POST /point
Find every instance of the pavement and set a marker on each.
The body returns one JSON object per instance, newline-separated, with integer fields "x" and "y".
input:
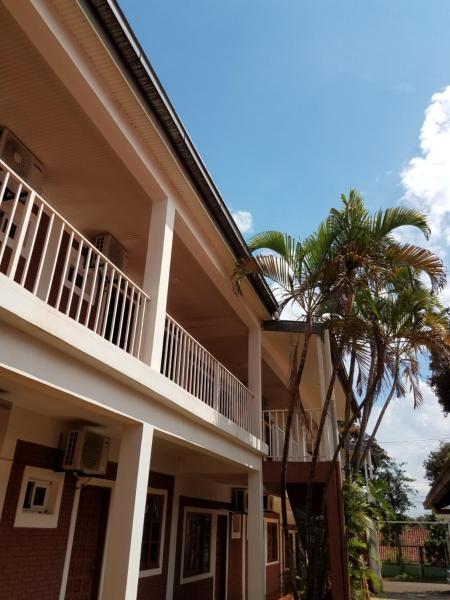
{"x": 403, "y": 590}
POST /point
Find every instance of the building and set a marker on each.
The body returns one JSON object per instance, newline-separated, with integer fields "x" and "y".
{"x": 142, "y": 402}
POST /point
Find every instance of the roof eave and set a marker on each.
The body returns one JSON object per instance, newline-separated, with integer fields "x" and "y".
{"x": 113, "y": 23}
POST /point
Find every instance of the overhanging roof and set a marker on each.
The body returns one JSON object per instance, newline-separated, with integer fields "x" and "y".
{"x": 299, "y": 327}
{"x": 112, "y": 22}
{"x": 438, "y": 498}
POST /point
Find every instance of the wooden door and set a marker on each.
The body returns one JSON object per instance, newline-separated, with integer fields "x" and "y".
{"x": 88, "y": 543}
{"x": 221, "y": 558}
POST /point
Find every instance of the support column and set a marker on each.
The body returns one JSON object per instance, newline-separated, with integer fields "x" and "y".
{"x": 156, "y": 279}
{"x": 256, "y": 570}
{"x": 126, "y": 520}
{"x": 325, "y": 443}
{"x": 329, "y": 370}
{"x": 254, "y": 377}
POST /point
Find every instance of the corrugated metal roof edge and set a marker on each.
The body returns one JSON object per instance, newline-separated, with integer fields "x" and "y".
{"x": 109, "y": 16}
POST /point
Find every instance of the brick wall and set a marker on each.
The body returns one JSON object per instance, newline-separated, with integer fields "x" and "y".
{"x": 32, "y": 560}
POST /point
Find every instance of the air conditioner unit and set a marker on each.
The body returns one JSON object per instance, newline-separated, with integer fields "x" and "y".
{"x": 86, "y": 452}
{"x": 112, "y": 249}
{"x": 267, "y": 502}
{"x": 17, "y": 156}
{"x": 240, "y": 500}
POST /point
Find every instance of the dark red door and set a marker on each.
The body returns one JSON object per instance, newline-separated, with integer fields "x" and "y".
{"x": 221, "y": 558}
{"x": 88, "y": 543}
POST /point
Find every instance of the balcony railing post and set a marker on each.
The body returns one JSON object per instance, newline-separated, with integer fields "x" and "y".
{"x": 14, "y": 261}
{"x": 216, "y": 393}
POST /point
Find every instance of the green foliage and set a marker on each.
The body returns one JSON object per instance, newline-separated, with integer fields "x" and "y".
{"x": 362, "y": 515}
{"x": 436, "y": 460}
{"x": 436, "y": 544}
{"x": 440, "y": 380}
{"x": 392, "y": 484}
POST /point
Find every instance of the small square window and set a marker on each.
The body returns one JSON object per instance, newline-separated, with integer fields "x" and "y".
{"x": 37, "y": 495}
{"x": 39, "y": 498}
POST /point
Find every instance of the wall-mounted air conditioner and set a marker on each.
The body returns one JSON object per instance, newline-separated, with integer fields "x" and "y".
{"x": 268, "y": 502}
{"x": 17, "y": 156}
{"x": 86, "y": 452}
{"x": 240, "y": 500}
{"x": 112, "y": 249}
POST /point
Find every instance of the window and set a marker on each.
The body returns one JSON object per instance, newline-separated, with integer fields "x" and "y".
{"x": 153, "y": 532}
{"x": 197, "y": 544}
{"x": 39, "y": 498}
{"x": 272, "y": 542}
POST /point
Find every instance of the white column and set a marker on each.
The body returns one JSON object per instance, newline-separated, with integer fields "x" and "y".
{"x": 325, "y": 442}
{"x": 123, "y": 543}
{"x": 156, "y": 279}
{"x": 254, "y": 377}
{"x": 255, "y": 522}
{"x": 329, "y": 370}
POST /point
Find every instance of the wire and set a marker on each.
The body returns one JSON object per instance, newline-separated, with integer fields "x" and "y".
{"x": 414, "y": 440}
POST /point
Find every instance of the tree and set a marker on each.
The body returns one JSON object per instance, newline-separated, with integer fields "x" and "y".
{"x": 395, "y": 485}
{"x": 440, "y": 380}
{"x": 339, "y": 276}
{"x": 436, "y": 544}
{"x": 436, "y": 460}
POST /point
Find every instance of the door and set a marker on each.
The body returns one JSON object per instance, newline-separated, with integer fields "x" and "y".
{"x": 88, "y": 542}
{"x": 221, "y": 558}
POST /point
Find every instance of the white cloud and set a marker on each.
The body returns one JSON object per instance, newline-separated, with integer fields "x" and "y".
{"x": 411, "y": 434}
{"x": 243, "y": 219}
{"x": 426, "y": 184}
{"x": 426, "y": 178}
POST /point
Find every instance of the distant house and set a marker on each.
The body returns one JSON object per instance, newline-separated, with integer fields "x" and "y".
{"x": 438, "y": 498}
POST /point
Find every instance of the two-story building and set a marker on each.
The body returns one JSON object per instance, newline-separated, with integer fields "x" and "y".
{"x": 142, "y": 402}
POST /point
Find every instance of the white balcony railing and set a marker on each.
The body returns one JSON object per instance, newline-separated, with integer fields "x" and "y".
{"x": 188, "y": 364}
{"x": 46, "y": 255}
{"x": 303, "y": 434}
{"x": 43, "y": 253}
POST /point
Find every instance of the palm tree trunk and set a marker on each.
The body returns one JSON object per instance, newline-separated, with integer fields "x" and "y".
{"x": 348, "y": 407}
{"x": 294, "y": 387}
{"x": 375, "y": 376}
{"x": 371, "y": 439}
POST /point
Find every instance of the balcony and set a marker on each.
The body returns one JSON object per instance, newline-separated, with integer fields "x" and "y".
{"x": 44, "y": 254}
{"x": 303, "y": 434}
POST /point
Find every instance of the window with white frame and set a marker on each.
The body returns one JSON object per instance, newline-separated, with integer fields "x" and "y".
{"x": 152, "y": 546}
{"x": 197, "y": 544}
{"x": 39, "y": 498}
{"x": 272, "y": 542}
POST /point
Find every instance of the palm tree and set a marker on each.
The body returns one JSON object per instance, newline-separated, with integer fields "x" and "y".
{"x": 333, "y": 277}
{"x": 413, "y": 321}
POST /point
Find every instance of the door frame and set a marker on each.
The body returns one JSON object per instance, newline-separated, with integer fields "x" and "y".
{"x": 96, "y": 482}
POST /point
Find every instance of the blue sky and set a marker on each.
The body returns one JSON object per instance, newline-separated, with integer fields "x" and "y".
{"x": 291, "y": 102}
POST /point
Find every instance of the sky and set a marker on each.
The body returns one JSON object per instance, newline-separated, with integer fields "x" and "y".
{"x": 292, "y": 102}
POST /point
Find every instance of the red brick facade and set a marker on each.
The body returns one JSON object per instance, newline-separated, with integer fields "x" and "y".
{"x": 32, "y": 560}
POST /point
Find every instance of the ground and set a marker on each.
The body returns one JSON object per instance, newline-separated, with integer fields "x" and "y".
{"x": 400, "y": 590}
